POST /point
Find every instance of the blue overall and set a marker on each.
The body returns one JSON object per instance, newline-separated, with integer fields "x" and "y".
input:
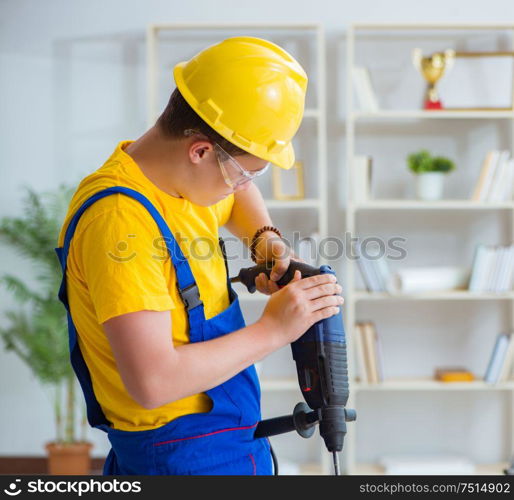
{"x": 219, "y": 442}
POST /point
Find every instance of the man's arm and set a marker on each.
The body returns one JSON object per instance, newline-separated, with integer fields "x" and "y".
{"x": 249, "y": 213}
{"x": 155, "y": 372}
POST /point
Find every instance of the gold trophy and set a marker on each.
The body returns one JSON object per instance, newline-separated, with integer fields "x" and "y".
{"x": 432, "y": 68}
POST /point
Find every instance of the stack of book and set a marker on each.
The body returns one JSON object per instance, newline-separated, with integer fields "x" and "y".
{"x": 492, "y": 268}
{"x": 496, "y": 179}
{"x": 373, "y": 268}
{"x": 453, "y": 374}
{"x": 366, "y": 96}
{"x": 368, "y": 349}
{"x": 499, "y": 368}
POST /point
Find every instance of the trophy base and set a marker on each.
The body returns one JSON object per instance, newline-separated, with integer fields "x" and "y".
{"x": 431, "y": 105}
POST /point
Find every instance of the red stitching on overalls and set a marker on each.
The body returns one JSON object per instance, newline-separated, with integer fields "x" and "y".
{"x": 205, "y": 435}
{"x": 253, "y": 463}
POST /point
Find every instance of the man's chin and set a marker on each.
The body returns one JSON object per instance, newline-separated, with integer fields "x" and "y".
{"x": 212, "y": 201}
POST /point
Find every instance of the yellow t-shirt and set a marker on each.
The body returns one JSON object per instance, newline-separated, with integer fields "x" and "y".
{"x": 118, "y": 263}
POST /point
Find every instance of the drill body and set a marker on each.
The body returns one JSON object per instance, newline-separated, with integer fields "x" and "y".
{"x": 321, "y": 365}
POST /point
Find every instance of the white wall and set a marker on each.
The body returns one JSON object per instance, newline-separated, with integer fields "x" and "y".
{"x": 72, "y": 80}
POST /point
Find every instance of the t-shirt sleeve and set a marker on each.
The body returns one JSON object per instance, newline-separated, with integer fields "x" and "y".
{"x": 122, "y": 263}
{"x": 223, "y": 209}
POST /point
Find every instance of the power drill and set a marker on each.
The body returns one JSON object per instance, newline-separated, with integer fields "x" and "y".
{"x": 321, "y": 365}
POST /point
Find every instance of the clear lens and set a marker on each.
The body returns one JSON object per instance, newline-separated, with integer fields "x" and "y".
{"x": 233, "y": 173}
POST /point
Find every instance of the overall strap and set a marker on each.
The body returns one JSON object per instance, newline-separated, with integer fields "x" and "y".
{"x": 186, "y": 281}
{"x": 186, "y": 284}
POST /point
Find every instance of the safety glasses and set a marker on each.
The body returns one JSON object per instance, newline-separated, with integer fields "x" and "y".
{"x": 233, "y": 173}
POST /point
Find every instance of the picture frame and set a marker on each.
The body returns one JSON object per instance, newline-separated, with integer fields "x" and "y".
{"x": 479, "y": 81}
{"x": 288, "y": 184}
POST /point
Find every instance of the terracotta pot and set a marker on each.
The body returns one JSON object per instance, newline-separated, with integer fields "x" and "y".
{"x": 69, "y": 459}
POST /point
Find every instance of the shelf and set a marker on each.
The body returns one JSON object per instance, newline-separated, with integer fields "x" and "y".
{"x": 427, "y": 384}
{"x": 437, "y": 115}
{"x": 305, "y": 203}
{"x": 420, "y": 384}
{"x": 279, "y": 384}
{"x": 429, "y": 26}
{"x": 481, "y": 469}
{"x": 395, "y": 204}
{"x": 232, "y": 25}
{"x": 443, "y": 295}
{"x": 364, "y": 125}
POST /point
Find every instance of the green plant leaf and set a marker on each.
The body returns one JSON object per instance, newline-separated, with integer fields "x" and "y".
{"x": 37, "y": 330}
{"x": 422, "y": 162}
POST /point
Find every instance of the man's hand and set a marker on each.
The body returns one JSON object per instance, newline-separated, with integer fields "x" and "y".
{"x": 290, "y": 312}
{"x": 271, "y": 248}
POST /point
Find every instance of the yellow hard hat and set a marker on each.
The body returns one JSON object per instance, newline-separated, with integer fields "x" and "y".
{"x": 250, "y": 91}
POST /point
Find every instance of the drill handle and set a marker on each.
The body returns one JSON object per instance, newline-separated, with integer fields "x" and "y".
{"x": 302, "y": 421}
{"x": 274, "y": 426}
{"x": 247, "y": 275}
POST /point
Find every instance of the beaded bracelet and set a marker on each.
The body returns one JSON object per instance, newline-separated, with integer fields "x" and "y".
{"x": 257, "y": 234}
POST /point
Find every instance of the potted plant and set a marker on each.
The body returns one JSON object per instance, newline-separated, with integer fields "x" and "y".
{"x": 430, "y": 171}
{"x": 37, "y": 330}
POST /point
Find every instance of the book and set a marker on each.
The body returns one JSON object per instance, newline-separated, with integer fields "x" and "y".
{"x": 499, "y": 261}
{"x": 380, "y": 357}
{"x": 364, "y": 273}
{"x": 368, "y": 272}
{"x": 506, "y": 277}
{"x": 379, "y": 265}
{"x": 477, "y": 268}
{"x": 489, "y": 263}
{"x": 492, "y": 268}
{"x": 506, "y": 368}
{"x": 371, "y": 351}
{"x": 495, "y": 188}
{"x": 359, "y": 351}
{"x": 496, "y": 359}
{"x": 453, "y": 374}
{"x": 484, "y": 173}
{"x": 365, "y": 94}
{"x": 361, "y": 174}
{"x": 384, "y": 272}
{"x": 486, "y": 176}
{"x": 507, "y": 181}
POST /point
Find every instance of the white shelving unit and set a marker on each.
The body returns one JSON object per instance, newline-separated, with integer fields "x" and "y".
{"x": 417, "y": 209}
{"x": 314, "y": 115}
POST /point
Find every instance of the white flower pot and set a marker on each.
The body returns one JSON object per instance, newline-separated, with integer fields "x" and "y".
{"x": 430, "y": 185}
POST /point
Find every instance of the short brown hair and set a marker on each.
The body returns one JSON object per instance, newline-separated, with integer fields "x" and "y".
{"x": 179, "y": 116}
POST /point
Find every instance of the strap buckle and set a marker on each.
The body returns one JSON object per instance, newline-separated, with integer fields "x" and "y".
{"x": 190, "y": 296}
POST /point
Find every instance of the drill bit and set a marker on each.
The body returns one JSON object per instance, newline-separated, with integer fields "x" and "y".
{"x": 336, "y": 463}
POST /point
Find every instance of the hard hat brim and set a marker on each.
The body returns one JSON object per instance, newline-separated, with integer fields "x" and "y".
{"x": 284, "y": 159}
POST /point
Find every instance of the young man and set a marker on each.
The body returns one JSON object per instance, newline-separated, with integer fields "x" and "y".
{"x": 157, "y": 337}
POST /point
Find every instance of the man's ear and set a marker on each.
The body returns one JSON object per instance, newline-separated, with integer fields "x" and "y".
{"x": 198, "y": 149}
